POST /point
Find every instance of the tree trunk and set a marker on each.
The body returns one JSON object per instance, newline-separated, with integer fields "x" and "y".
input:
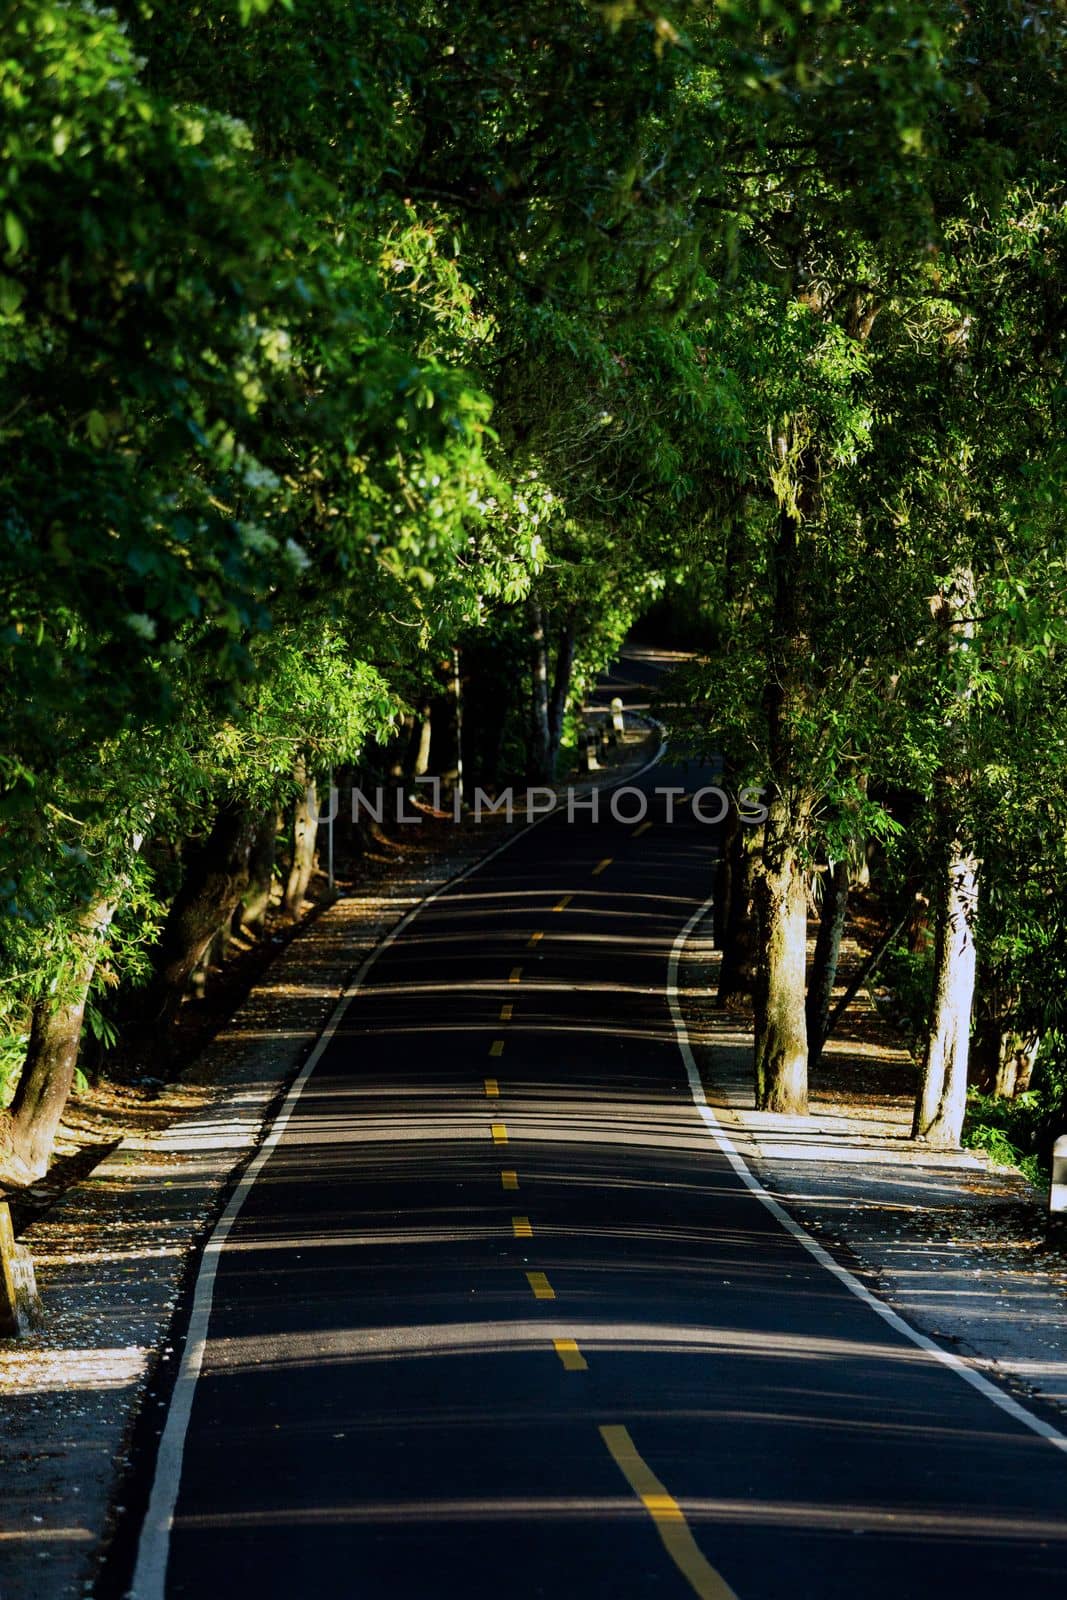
{"x": 1017, "y": 1059}
{"x": 420, "y": 764}
{"x": 942, "y": 1098}
{"x": 781, "y": 1042}
{"x": 305, "y": 842}
{"x": 737, "y": 974}
{"x": 540, "y": 759}
{"x": 252, "y": 911}
{"x": 919, "y": 927}
{"x": 561, "y": 688}
{"x": 400, "y": 764}
{"x": 29, "y": 1127}
{"x": 727, "y": 868}
{"x": 865, "y": 973}
{"x": 215, "y": 878}
{"x": 1002, "y": 1057}
{"x": 450, "y": 729}
{"x": 827, "y": 952}
{"x": 941, "y": 1101}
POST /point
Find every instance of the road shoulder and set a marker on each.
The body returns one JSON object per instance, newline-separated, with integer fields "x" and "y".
{"x": 953, "y": 1244}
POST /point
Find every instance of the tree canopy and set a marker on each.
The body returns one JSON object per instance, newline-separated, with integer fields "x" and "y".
{"x": 336, "y": 338}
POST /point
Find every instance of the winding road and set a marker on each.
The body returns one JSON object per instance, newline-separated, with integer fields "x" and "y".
{"x": 496, "y": 1313}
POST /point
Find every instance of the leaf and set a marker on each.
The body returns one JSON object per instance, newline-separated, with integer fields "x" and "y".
{"x": 11, "y": 296}
{"x": 14, "y": 232}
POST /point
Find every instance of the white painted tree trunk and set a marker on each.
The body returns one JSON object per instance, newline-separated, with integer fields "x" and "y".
{"x": 942, "y": 1098}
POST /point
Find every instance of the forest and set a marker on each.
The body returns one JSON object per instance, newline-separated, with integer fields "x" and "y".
{"x": 361, "y": 357}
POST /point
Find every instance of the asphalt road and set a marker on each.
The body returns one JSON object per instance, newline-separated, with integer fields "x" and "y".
{"x": 498, "y": 1318}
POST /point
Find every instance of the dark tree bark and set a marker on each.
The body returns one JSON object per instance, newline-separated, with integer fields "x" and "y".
{"x": 1016, "y": 1059}
{"x": 561, "y": 687}
{"x": 540, "y": 756}
{"x": 1002, "y": 1057}
{"x": 214, "y": 880}
{"x": 420, "y": 758}
{"x": 251, "y": 912}
{"x": 781, "y": 1042}
{"x": 865, "y": 973}
{"x": 305, "y": 814}
{"x": 28, "y": 1128}
{"x": 43, "y": 1088}
{"x": 1003, "y": 1049}
{"x": 919, "y": 939}
{"x": 726, "y": 868}
{"x": 827, "y": 953}
{"x": 400, "y": 765}
{"x": 738, "y": 937}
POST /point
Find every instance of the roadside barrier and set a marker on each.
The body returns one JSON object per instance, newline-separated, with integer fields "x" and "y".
{"x": 1057, "y": 1196}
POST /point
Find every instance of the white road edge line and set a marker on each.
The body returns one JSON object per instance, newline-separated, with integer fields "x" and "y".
{"x": 153, "y": 1550}
{"x": 956, "y": 1364}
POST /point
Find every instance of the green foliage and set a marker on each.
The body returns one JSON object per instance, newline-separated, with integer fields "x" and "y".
{"x": 906, "y": 974}
{"x": 1004, "y": 1129}
{"x": 333, "y": 335}
{"x": 1020, "y": 1131}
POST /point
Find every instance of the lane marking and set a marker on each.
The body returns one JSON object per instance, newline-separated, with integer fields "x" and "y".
{"x": 668, "y": 1517}
{"x": 542, "y": 1289}
{"x": 153, "y": 1548}
{"x": 600, "y": 866}
{"x": 570, "y": 1355}
{"x": 955, "y": 1363}
{"x": 505, "y": 1013}
{"x": 516, "y": 974}
{"x": 521, "y": 1228}
{"x": 497, "y": 1047}
{"x": 500, "y": 1133}
{"x": 642, "y": 829}
{"x": 564, "y": 903}
{"x": 509, "y": 1179}
{"x": 535, "y": 939}
{"x": 492, "y": 1088}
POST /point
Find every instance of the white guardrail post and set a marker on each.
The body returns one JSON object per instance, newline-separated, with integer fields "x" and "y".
{"x": 1057, "y": 1199}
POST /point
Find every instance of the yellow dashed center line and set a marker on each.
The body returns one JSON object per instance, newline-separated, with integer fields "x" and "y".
{"x": 667, "y": 1514}
{"x": 509, "y": 1179}
{"x": 497, "y": 1047}
{"x": 599, "y": 868}
{"x": 516, "y": 974}
{"x": 570, "y": 1355}
{"x": 492, "y": 1088}
{"x": 642, "y": 829}
{"x": 535, "y": 939}
{"x": 505, "y": 1013}
{"x": 520, "y": 1227}
{"x": 564, "y": 903}
{"x": 500, "y": 1133}
{"x": 542, "y": 1289}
